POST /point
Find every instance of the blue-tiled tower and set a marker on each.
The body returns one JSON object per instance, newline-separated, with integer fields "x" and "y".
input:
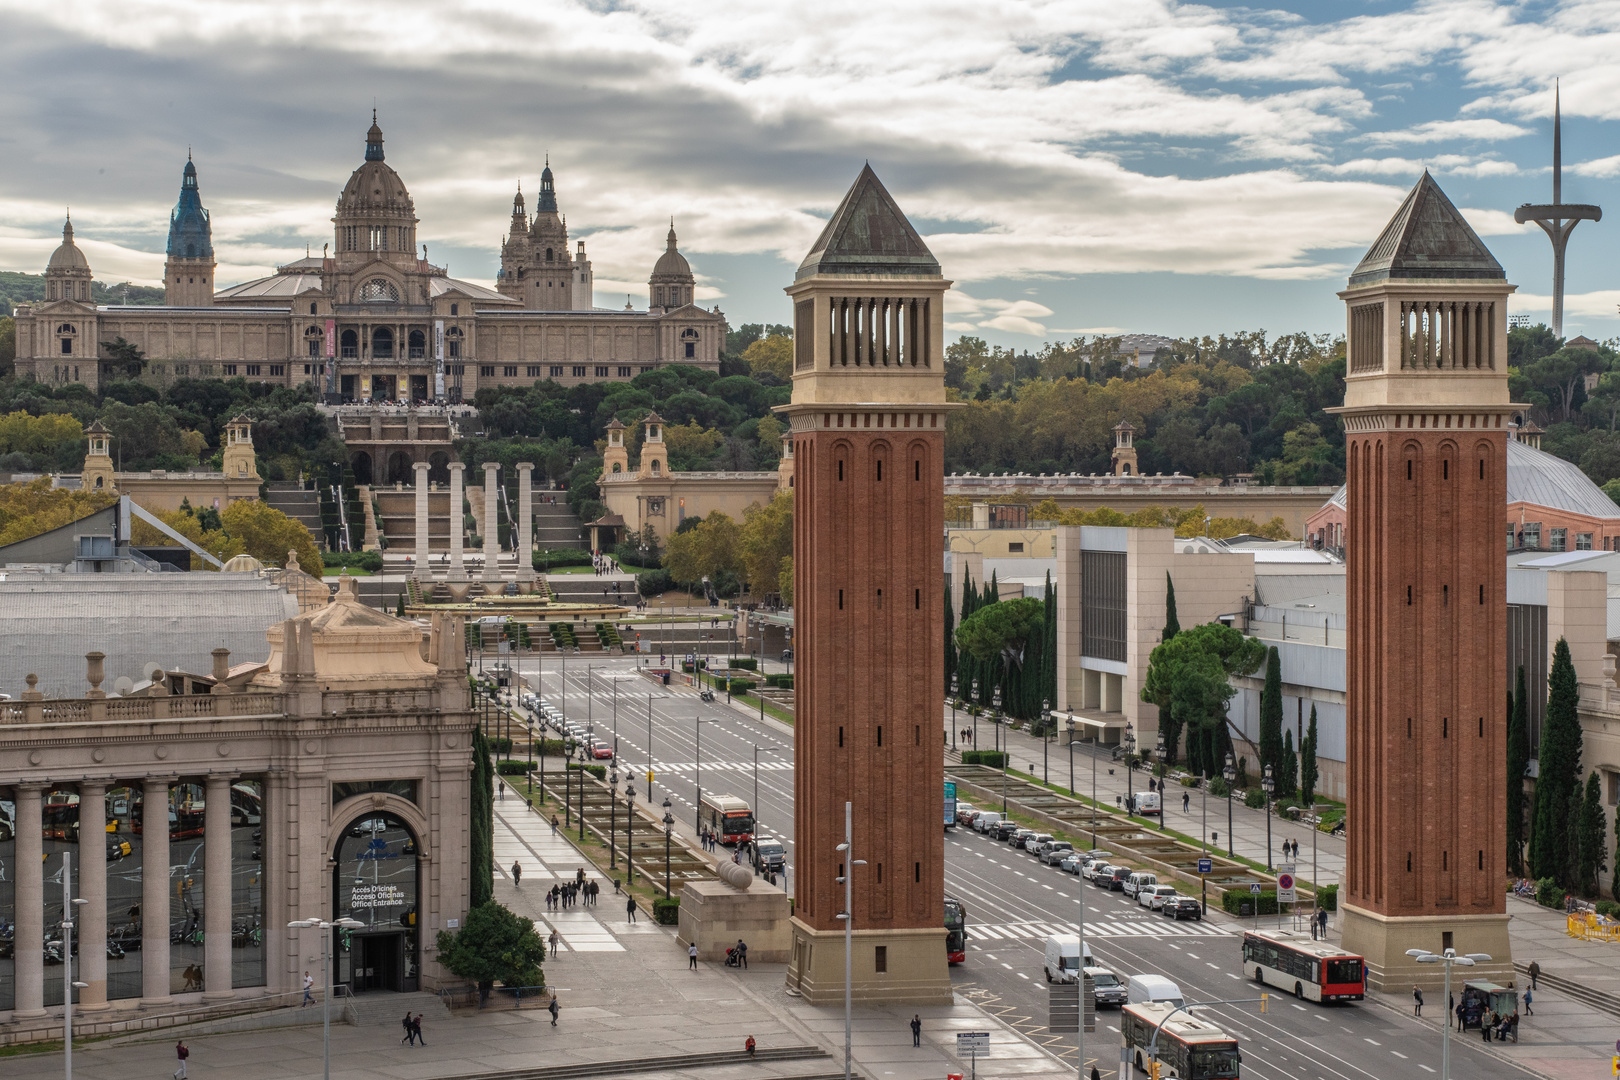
{"x": 188, "y": 275}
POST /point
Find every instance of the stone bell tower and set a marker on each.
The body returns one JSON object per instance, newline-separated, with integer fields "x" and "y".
{"x": 1124, "y": 459}
{"x": 654, "y": 454}
{"x": 615, "y": 458}
{"x": 239, "y": 461}
{"x": 97, "y": 474}
{"x": 1426, "y": 415}
{"x": 867, "y": 421}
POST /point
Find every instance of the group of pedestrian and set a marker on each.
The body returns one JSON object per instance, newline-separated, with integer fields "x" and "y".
{"x": 413, "y": 1029}
{"x": 710, "y": 841}
{"x": 604, "y": 564}
{"x": 1290, "y": 849}
{"x": 1319, "y": 920}
{"x": 569, "y": 894}
{"x": 966, "y": 735}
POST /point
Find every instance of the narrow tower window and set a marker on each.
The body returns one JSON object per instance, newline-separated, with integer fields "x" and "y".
{"x": 1445, "y": 470}
{"x": 1482, "y": 594}
{"x": 840, "y": 599}
{"x": 840, "y": 470}
{"x": 1482, "y": 468}
{"x": 880, "y": 471}
{"x": 918, "y": 601}
{"x": 840, "y": 736}
{"x": 1482, "y": 858}
{"x": 880, "y": 599}
{"x": 1482, "y": 727}
{"x": 880, "y": 734}
{"x": 918, "y": 869}
{"x": 1409, "y": 470}
{"x": 917, "y": 469}
{"x": 1409, "y": 596}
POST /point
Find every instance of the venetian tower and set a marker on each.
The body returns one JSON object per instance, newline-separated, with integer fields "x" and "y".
{"x": 1124, "y": 459}
{"x": 654, "y": 454}
{"x": 188, "y": 273}
{"x": 1426, "y": 416}
{"x": 615, "y": 458}
{"x": 867, "y": 419}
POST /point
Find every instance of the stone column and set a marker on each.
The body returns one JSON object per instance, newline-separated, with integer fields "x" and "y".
{"x": 458, "y": 568}
{"x": 525, "y": 543}
{"x": 155, "y": 985}
{"x": 217, "y": 887}
{"x": 29, "y": 952}
{"x": 423, "y": 571}
{"x": 492, "y": 531}
{"x": 90, "y": 923}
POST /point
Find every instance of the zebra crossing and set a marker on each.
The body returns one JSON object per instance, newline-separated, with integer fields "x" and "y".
{"x": 723, "y": 766}
{"x": 1099, "y": 928}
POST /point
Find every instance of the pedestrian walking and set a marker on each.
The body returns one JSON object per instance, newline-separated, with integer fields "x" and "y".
{"x": 517, "y": 874}
{"x": 553, "y": 1009}
{"x": 1322, "y": 917}
{"x": 1461, "y": 1011}
{"x": 1534, "y": 971}
{"x": 410, "y": 1036}
{"x": 916, "y": 1030}
{"x": 742, "y": 954}
{"x": 630, "y": 909}
{"x": 1186, "y": 801}
{"x": 181, "y": 1052}
{"x": 1094, "y": 1074}
{"x": 502, "y": 795}
{"x": 553, "y": 824}
{"x": 691, "y": 963}
{"x": 555, "y": 937}
{"x": 1417, "y": 1002}
{"x": 309, "y": 983}
{"x": 1528, "y": 1011}
{"x": 416, "y": 1029}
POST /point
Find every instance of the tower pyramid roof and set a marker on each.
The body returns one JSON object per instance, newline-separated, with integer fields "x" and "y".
{"x": 868, "y": 234}
{"x": 1428, "y": 238}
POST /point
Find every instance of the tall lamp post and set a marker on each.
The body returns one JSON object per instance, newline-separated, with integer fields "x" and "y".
{"x": 568, "y": 784}
{"x": 1128, "y": 744}
{"x": 326, "y": 929}
{"x": 68, "y": 985}
{"x": 613, "y": 818}
{"x": 586, "y": 756}
{"x": 1230, "y": 775}
{"x": 975, "y": 710}
{"x": 1447, "y": 957}
{"x": 848, "y": 918}
{"x": 629, "y": 820}
{"x": 995, "y": 719}
{"x": 669, "y": 823}
{"x": 1046, "y": 714}
{"x": 1160, "y": 752}
{"x": 954, "y": 703}
{"x": 1269, "y": 785}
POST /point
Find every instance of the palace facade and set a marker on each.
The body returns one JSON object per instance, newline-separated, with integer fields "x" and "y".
{"x": 371, "y": 319}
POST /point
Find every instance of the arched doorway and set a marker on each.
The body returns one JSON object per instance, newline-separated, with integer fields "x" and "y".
{"x": 382, "y": 343}
{"x": 360, "y": 466}
{"x": 376, "y": 880}
{"x": 439, "y": 468}
{"x": 401, "y": 469}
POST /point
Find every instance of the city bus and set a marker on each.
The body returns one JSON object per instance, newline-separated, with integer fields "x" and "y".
{"x": 1187, "y": 1047}
{"x": 1314, "y": 970}
{"x": 950, "y": 804}
{"x": 727, "y": 817}
{"x": 955, "y": 931}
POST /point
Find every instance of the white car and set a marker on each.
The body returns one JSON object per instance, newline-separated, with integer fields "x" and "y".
{"x": 1089, "y": 870}
{"x": 1154, "y": 896}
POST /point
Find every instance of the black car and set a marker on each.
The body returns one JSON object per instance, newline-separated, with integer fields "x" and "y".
{"x": 1116, "y": 880}
{"x": 1184, "y": 907}
{"x": 1005, "y": 830}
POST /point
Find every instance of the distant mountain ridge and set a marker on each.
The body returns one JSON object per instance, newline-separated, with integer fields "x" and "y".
{"x": 17, "y": 288}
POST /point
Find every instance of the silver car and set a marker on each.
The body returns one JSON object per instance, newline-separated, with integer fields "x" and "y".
{"x": 1054, "y": 852}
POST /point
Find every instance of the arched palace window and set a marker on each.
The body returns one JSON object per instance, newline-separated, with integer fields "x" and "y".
{"x": 379, "y": 291}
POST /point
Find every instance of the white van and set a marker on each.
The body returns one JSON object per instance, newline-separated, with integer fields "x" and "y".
{"x": 1149, "y": 988}
{"x": 985, "y": 820}
{"x": 1139, "y": 881}
{"x": 1147, "y": 802}
{"x": 1062, "y": 961}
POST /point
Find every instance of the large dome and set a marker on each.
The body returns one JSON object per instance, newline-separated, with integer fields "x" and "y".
{"x": 375, "y": 189}
{"x": 68, "y": 256}
{"x": 672, "y": 263}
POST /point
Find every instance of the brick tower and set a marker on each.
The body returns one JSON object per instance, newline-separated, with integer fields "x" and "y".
{"x": 1426, "y": 414}
{"x": 868, "y": 429}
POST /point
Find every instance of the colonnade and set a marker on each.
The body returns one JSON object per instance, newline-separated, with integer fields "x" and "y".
{"x": 524, "y": 541}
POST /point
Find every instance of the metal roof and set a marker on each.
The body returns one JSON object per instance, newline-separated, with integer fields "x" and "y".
{"x": 176, "y": 620}
{"x": 1542, "y": 479}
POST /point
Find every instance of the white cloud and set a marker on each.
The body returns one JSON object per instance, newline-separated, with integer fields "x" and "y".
{"x": 1444, "y": 131}
{"x": 1606, "y": 168}
{"x": 1601, "y": 304}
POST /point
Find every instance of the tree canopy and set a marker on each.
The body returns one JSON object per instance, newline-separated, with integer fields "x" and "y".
{"x": 1190, "y": 674}
{"x": 1002, "y": 630}
{"x": 493, "y": 946}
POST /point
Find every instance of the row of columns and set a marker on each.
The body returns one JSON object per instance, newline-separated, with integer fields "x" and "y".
{"x": 492, "y": 548}
{"x": 90, "y": 921}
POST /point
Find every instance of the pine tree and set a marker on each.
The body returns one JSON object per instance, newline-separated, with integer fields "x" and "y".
{"x": 1593, "y": 838}
{"x": 1560, "y": 765}
{"x": 1307, "y": 764}
{"x": 1288, "y": 770}
{"x": 1271, "y": 744}
{"x": 1172, "y": 625}
{"x": 1518, "y": 753}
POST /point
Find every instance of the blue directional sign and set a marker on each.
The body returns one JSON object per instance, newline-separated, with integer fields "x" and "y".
{"x": 1206, "y": 866}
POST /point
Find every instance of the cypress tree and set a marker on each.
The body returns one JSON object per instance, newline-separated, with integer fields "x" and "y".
{"x": 1286, "y": 773}
{"x": 1593, "y": 837}
{"x": 950, "y": 640}
{"x": 1271, "y": 714}
{"x": 1518, "y": 754}
{"x": 1560, "y": 765}
{"x": 481, "y": 809}
{"x": 1172, "y": 625}
{"x": 1574, "y": 878}
{"x": 1614, "y": 882}
{"x": 1307, "y": 764}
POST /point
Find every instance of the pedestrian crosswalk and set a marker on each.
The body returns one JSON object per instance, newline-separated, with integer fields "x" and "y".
{"x": 1099, "y": 928}
{"x": 723, "y": 766}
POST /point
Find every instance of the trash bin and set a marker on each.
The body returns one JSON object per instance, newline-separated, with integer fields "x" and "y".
{"x": 1245, "y": 909}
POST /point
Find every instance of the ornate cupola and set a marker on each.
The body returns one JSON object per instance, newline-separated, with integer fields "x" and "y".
{"x": 1124, "y": 459}
{"x": 67, "y": 276}
{"x": 375, "y": 218}
{"x": 188, "y": 273}
{"x": 654, "y": 454}
{"x": 615, "y": 458}
{"x": 671, "y": 283}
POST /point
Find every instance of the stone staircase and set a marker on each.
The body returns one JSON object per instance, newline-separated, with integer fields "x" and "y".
{"x": 398, "y": 509}
{"x": 555, "y": 525}
{"x": 302, "y": 506}
{"x": 372, "y": 540}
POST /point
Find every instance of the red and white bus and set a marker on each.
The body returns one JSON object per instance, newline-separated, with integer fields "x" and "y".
{"x": 1314, "y": 970}
{"x": 1185, "y": 1046}
{"x": 727, "y": 817}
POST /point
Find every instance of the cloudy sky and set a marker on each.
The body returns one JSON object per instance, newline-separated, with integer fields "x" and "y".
{"x": 1078, "y": 166}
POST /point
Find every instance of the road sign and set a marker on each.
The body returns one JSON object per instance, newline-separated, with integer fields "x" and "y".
{"x": 973, "y": 1044}
{"x": 1254, "y": 887}
{"x": 1285, "y": 885}
{"x": 1617, "y": 1058}
{"x": 1206, "y": 866}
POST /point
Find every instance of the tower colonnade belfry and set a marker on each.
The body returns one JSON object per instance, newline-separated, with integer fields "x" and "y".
{"x": 867, "y": 424}
{"x": 1426, "y": 416}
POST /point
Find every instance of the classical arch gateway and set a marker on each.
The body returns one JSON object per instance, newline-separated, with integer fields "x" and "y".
{"x": 377, "y": 855}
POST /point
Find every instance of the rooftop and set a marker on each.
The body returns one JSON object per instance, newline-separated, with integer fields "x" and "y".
{"x": 1428, "y": 238}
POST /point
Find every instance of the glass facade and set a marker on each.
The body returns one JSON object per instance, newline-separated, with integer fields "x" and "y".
{"x": 123, "y": 894}
{"x": 8, "y": 897}
{"x": 376, "y": 881}
{"x": 247, "y": 883}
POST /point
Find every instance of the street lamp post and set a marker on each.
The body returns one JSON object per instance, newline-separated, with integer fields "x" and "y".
{"x": 1128, "y": 744}
{"x": 953, "y": 709}
{"x": 1447, "y": 957}
{"x": 975, "y": 711}
{"x": 613, "y": 818}
{"x": 629, "y": 820}
{"x": 1269, "y": 785}
{"x": 1046, "y": 714}
{"x": 1230, "y": 774}
{"x": 1071, "y": 755}
{"x": 669, "y": 823}
{"x": 326, "y": 929}
{"x": 848, "y": 918}
{"x": 568, "y": 784}
{"x": 1161, "y": 752}
{"x": 995, "y": 718}
{"x": 585, "y": 758}
{"x": 68, "y": 985}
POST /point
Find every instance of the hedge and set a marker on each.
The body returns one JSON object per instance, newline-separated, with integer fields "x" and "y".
{"x": 667, "y": 910}
{"x": 993, "y": 758}
{"x": 746, "y": 663}
{"x": 598, "y": 771}
{"x": 562, "y": 635}
{"x": 553, "y": 747}
{"x": 545, "y": 560}
{"x": 513, "y": 767}
{"x": 1233, "y": 899}
{"x": 1328, "y": 897}
{"x": 1254, "y": 798}
{"x": 370, "y": 561}
{"x": 741, "y": 686}
{"x": 781, "y": 682}
{"x": 654, "y": 583}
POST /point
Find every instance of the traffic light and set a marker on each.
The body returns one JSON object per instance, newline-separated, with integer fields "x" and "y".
{"x": 1264, "y": 998}
{"x": 1155, "y": 1069}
